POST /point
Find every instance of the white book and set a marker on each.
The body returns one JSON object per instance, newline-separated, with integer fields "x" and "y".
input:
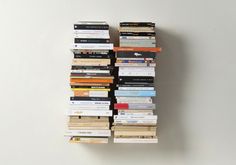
{"x": 88, "y": 133}
{"x": 137, "y": 69}
{"x": 90, "y": 113}
{"x": 134, "y": 58}
{"x": 92, "y": 36}
{"x": 134, "y": 99}
{"x": 136, "y": 88}
{"x": 133, "y": 64}
{"x": 130, "y": 117}
{"x": 90, "y": 107}
{"x": 134, "y": 121}
{"x": 94, "y": 46}
{"x": 90, "y": 102}
{"x": 80, "y": 31}
{"x": 133, "y": 73}
{"x": 89, "y": 71}
{"x": 135, "y": 114}
{"x": 135, "y": 140}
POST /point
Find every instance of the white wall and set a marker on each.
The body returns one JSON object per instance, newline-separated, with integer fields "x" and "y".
{"x": 196, "y": 78}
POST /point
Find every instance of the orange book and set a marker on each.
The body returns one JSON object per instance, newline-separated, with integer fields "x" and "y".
{"x": 90, "y": 80}
{"x": 140, "y": 49}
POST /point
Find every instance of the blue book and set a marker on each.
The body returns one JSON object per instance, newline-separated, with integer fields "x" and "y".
{"x": 135, "y": 93}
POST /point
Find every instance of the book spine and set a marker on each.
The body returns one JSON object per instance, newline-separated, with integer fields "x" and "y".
{"x": 101, "y": 133}
{"x": 88, "y": 40}
{"x": 90, "y": 113}
{"x": 91, "y": 27}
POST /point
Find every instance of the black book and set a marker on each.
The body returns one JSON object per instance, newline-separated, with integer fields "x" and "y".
{"x": 135, "y": 85}
{"x": 76, "y": 55}
{"x": 73, "y": 67}
{"x": 137, "y": 24}
{"x": 91, "y": 40}
{"x": 136, "y": 79}
{"x": 90, "y": 27}
{"x": 92, "y": 87}
{"x": 129, "y": 54}
{"x": 74, "y": 98}
{"x": 137, "y": 34}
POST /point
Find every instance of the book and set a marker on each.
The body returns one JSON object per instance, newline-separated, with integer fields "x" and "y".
{"x": 135, "y": 93}
{"x": 90, "y": 113}
{"x": 101, "y": 133}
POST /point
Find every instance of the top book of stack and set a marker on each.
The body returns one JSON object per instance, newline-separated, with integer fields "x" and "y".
{"x": 137, "y": 34}
{"x": 91, "y": 35}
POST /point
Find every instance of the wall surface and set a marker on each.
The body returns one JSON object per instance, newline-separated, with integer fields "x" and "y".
{"x": 196, "y": 81}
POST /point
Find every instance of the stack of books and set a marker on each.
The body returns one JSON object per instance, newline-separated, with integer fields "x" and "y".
{"x": 90, "y": 80}
{"x": 135, "y": 121}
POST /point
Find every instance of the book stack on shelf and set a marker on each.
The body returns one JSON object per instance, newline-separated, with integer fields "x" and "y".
{"x": 135, "y": 121}
{"x": 90, "y": 80}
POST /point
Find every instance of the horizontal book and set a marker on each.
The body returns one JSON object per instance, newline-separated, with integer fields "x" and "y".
{"x": 135, "y": 112}
{"x": 147, "y": 79}
{"x": 73, "y": 98}
{"x": 93, "y": 56}
{"x": 76, "y": 102}
{"x": 134, "y": 106}
{"x": 137, "y": 38}
{"x": 147, "y": 117}
{"x": 89, "y": 107}
{"x": 131, "y": 33}
{"x": 135, "y": 93}
{"x": 91, "y": 25}
{"x": 108, "y": 46}
{"x": 91, "y": 84}
{"x": 135, "y": 54}
{"x": 136, "y": 88}
{"x": 91, "y": 40}
{"x": 137, "y": 73}
{"x": 133, "y": 128}
{"x": 90, "y": 89}
{"x": 89, "y": 93}
{"x": 135, "y": 64}
{"x": 135, "y": 121}
{"x": 101, "y": 133}
{"x": 137, "y": 24}
{"x": 90, "y": 80}
{"x": 89, "y": 140}
{"x": 75, "y": 67}
{"x": 135, "y": 133}
{"x": 135, "y": 140}
{"x": 89, "y": 61}
{"x": 91, "y": 71}
{"x": 133, "y": 99}
{"x": 90, "y": 113}
{"x": 135, "y": 49}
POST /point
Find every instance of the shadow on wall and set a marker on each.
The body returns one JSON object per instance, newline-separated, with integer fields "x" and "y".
{"x": 170, "y": 81}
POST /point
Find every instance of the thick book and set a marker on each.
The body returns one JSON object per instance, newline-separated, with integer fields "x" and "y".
{"x": 133, "y": 99}
{"x": 135, "y": 93}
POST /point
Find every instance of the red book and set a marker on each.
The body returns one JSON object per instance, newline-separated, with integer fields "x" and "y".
{"x": 121, "y": 106}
